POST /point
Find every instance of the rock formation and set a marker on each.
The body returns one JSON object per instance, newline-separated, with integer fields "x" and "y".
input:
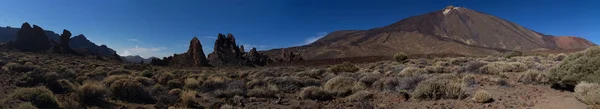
{"x": 255, "y": 58}
{"x": 31, "y": 39}
{"x": 226, "y": 52}
{"x": 288, "y": 55}
{"x": 193, "y": 57}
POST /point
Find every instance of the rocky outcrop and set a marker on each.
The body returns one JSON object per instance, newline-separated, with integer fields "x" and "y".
{"x": 288, "y": 55}
{"x": 193, "y": 57}
{"x": 31, "y": 39}
{"x": 81, "y": 43}
{"x": 226, "y": 52}
{"x": 255, "y": 58}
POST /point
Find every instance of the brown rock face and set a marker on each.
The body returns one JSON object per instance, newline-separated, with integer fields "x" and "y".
{"x": 65, "y": 37}
{"x": 571, "y": 42}
{"x": 196, "y": 53}
{"x": 31, "y": 39}
{"x": 255, "y": 58}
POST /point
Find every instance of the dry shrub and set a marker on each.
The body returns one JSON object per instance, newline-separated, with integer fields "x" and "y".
{"x": 175, "y": 92}
{"x": 33, "y": 78}
{"x": 61, "y": 86}
{"x": 588, "y": 93}
{"x": 188, "y": 98}
{"x": 26, "y": 105}
{"x": 413, "y": 71}
{"x": 313, "y": 73}
{"x": 315, "y": 93}
{"x": 459, "y": 61}
{"x": 469, "y": 80}
{"x": 291, "y": 83}
{"x": 344, "y": 67}
{"x": 400, "y": 57}
{"x": 119, "y": 72}
{"x": 482, "y": 96}
{"x": 175, "y": 83}
{"x": 163, "y": 78}
{"x": 145, "y": 81}
{"x": 340, "y": 85}
{"x": 409, "y": 83}
{"x": 91, "y": 92}
{"x": 387, "y": 83}
{"x": 39, "y": 96}
{"x": 533, "y": 77}
{"x": 81, "y": 79}
{"x": 111, "y": 79}
{"x": 130, "y": 90}
{"x": 263, "y": 92}
{"x": 191, "y": 83}
{"x": 473, "y": 66}
{"x": 436, "y": 69}
{"x": 369, "y": 79}
{"x": 15, "y": 67}
{"x": 440, "y": 87}
{"x": 577, "y": 67}
{"x": 214, "y": 83}
{"x": 360, "y": 96}
{"x": 501, "y": 67}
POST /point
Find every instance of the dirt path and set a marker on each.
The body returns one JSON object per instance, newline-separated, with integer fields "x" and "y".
{"x": 554, "y": 99}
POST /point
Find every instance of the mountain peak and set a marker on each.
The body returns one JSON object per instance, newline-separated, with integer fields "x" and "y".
{"x": 449, "y": 9}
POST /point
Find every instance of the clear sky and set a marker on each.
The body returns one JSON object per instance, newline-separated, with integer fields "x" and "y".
{"x": 164, "y": 27}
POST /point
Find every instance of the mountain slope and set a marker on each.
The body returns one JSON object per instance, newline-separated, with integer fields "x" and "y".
{"x": 452, "y": 30}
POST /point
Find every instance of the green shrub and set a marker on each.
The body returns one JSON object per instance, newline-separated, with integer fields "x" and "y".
{"x": 440, "y": 87}
{"x": 577, "y": 67}
{"x": 400, "y": 57}
{"x": 533, "y": 77}
{"x": 340, "y": 85}
{"x": 39, "y": 96}
{"x": 344, "y": 67}
{"x": 26, "y": 105}
{"x": 130, "y": 90}
{"x": 315, "y": 93}
{"x": 588, "y": 93}
{"x": 91, "y": 93}
{"x": 482, "y": 96}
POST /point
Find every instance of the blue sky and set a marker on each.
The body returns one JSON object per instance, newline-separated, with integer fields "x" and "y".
{"x": 164, "y": 27}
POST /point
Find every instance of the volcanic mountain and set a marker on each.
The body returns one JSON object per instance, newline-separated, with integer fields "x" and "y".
{"x": 450, "y": 31}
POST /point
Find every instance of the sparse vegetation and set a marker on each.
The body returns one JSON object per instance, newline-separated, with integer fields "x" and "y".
{"x": 482, "y": 96}
{"x": 400, "y": 57}
{"x": 91, "y": 93}
{"x": 588, "y": 93}
{"x": 130, "y": 90}
{"x": 340, "y": 85}
{"x": 315, "y": 93}
{"x": 344, "y": 67}
{"x": 533, "y": 77}
{"x": 441, "y": 87}
{"x": 40, "y": 96}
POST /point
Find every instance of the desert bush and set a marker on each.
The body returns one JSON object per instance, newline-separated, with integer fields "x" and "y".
{"x": 387, "y": 83}
{"x": 436, "y": 69}
{"x": 214, "y": 83}
{"x": 175, "y": 92}
{"x": 26, "y": 105}
{"x": 533, "y": 77}
{"x": 147, "y": 73}
{"x": 290, "y": 83}
{"x": 228, "y": 93}
{"x": 263, "y": 92}
{"x": 163, "y": 78}
{"x": 344, "y": 67}
{"x": 145, "y": 81}
{"x": 473, "y": 66}
{"x": 409, "y": 83}
{"x": 400, "y": 57}
{"x": 188, "y": 98}
{"x": 119, "y": 72}
{"x": 61, "y": 86}
{"x": 468, "y": 80}
{"x": 512, "y": 54}
{"x": 15, "y": 67}
{"x": 500, "y": 67}
{"x": 130, "y": 90}
{"x": 360, "y": 96}
{"x": 191, "y": 83}
{"x": 577, "y": 67}
{"x": 588, "y": 93}
{"x": 459, "y": 61}
{"x": 413, "y": 71}
{"x": 313, "y": 73}
{"x": 91, "y": 92}
{"x": 482, "y": 96}
{"x": 369, "y": 79}
{"x": 340, "y": 85}
{"x": 175, "y": 83}
{"x": 39, "y": 96}
{"x": 315, "y": 93}
{"x": 111, "y": 79}
{"x": 440, "y": 87}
